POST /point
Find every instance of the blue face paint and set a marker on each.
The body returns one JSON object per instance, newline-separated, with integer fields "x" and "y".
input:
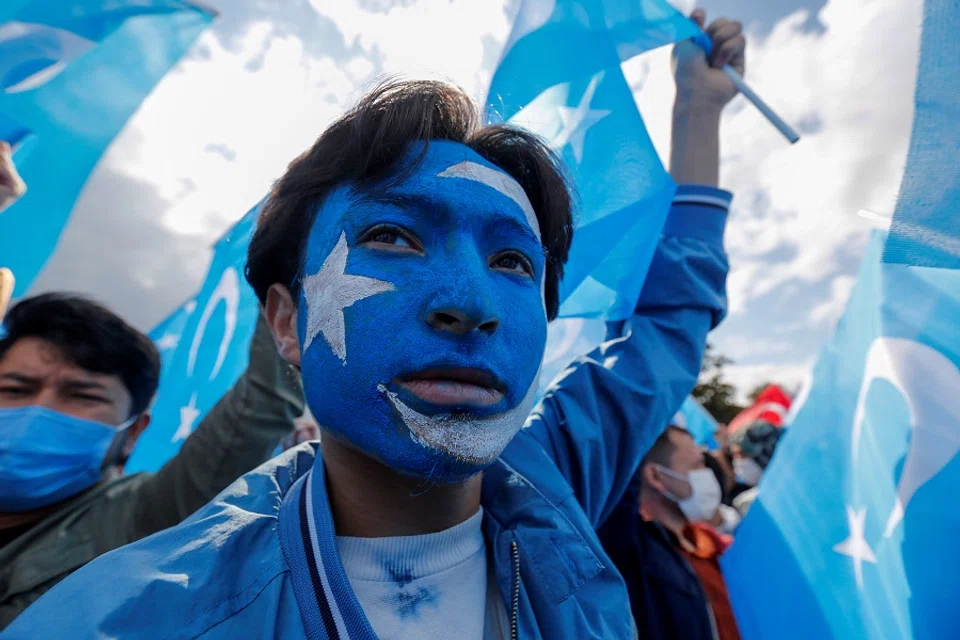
{"x": 438, "y": 276}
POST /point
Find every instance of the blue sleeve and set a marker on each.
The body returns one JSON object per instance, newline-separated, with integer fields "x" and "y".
{"x": 604, "y": 412}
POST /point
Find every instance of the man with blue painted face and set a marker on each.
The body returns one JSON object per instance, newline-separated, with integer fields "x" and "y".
{"x": 408, "y": 263}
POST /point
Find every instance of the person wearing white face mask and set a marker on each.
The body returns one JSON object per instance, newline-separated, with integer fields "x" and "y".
{"x": 681, "y": 494}
{"x": 726, "y": 519}
{"x": 748, "y": 471}
{"x": 752, "y": 448}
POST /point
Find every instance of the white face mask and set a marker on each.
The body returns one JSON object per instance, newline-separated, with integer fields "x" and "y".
{"x": 747, "y": 470}
{"x": 705, "y": 494}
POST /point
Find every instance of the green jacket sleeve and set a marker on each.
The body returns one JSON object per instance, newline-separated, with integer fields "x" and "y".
{"x": 237, "y": 435}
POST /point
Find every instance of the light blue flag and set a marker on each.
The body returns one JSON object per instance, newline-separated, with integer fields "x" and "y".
{"x": 72, "y": 72}
{"x": 699, "y": 423}
{"x": 926, "y": 228}
{"x": 560, "y": 77}
{"x": 854, "y": 533}
{"x": 167, "y": 334}
{"x": 204, "y": 347}
{"x": 570, "y": 338}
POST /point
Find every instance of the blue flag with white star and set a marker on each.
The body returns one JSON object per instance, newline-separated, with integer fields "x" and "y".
{"x": 854, "y": 532}
{"x": 560, "y": 77}
{"x": 204, "y": 348}
{"x": 72, "y": 72}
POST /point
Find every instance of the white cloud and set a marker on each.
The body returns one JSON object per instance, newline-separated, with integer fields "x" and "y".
{"x": 755, "y": 346}
{"x": 443, "y": 40}
{"x": 856, "y": 78}
{"x": 831, "y": 308}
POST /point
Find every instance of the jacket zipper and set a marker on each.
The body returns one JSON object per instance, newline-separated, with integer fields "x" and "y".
{"x": 515, "y": 554}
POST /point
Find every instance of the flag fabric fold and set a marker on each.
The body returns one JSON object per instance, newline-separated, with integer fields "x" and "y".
{"x": 72, "y": 72}
{"x": 204, "y": 348}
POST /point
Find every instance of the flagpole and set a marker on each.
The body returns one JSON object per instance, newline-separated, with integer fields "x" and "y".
{"x": 761, "y": 106}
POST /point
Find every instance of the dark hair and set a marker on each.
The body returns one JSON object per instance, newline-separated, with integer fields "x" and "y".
{"x": 364, "y": 145}
{"x": 758, "y": 440}
{"x": 662, "y": 449}
{"x": 90, "y": 336}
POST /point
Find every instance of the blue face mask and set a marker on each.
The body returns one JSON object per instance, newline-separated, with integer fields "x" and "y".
{"x": 442, "y": 271}
{"x": 47, "y": 456}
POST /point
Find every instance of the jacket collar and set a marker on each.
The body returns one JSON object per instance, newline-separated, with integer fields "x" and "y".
{"x": 327, "y": 604}
{"x": 548, "y": 539}
{"x": 514, "y": 510}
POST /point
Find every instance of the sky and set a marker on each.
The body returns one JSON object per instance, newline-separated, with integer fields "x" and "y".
{"x": 259, "y": 86}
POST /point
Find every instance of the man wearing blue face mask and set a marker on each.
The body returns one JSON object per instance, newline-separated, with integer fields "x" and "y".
{"x": 408, "y": 263}
{"x": 76, "y": 382}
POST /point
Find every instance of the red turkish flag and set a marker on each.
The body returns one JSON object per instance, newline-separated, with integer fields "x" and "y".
{"x": 771, "y": 406}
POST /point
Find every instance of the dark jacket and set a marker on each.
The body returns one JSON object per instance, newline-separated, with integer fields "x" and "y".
{"x": 666, "y": 598}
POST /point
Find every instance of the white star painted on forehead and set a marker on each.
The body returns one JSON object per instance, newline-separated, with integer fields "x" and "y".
{"x": 329, "y": 292}
{"x": 578, "y": 120}
{"x": 495, "y": 180}
{"x": 856, "y": 546}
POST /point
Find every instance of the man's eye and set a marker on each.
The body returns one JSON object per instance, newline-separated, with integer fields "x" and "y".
{"x": 394, "y": 237}
{"x": 89, "y": 397}
{"x": 512, "y": 262}
{"x": 13, "y": 391}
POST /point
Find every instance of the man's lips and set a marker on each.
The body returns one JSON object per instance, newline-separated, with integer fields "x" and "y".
{"x": 454, "y": 387}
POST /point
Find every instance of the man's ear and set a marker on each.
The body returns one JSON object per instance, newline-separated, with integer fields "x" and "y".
{"x": 281, "y": 314}
{"x": 134, "y": 432}
{"x": 651, "y": 478}
{"x": 122, "y": 446}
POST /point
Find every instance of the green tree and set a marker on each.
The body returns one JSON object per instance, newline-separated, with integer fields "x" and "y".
{"x": 713, "y": 391}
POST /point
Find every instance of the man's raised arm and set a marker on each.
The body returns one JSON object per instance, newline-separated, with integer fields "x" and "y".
{"x": 606, "y": 410}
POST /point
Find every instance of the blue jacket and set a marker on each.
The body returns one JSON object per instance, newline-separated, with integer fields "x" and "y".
{"x": 261, "y": 560}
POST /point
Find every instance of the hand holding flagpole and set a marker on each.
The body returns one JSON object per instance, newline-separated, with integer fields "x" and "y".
{"x": 788, "y": 132}
{"x": 723, "y": 43}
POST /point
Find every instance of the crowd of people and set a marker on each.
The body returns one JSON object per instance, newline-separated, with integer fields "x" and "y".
{"x": 407, "y": 265}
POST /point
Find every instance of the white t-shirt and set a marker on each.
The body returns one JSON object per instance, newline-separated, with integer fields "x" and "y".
{"x": 427, "y": 586}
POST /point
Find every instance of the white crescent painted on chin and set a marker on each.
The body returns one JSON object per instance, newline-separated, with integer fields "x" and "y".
{"x": 475, "y": 440}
